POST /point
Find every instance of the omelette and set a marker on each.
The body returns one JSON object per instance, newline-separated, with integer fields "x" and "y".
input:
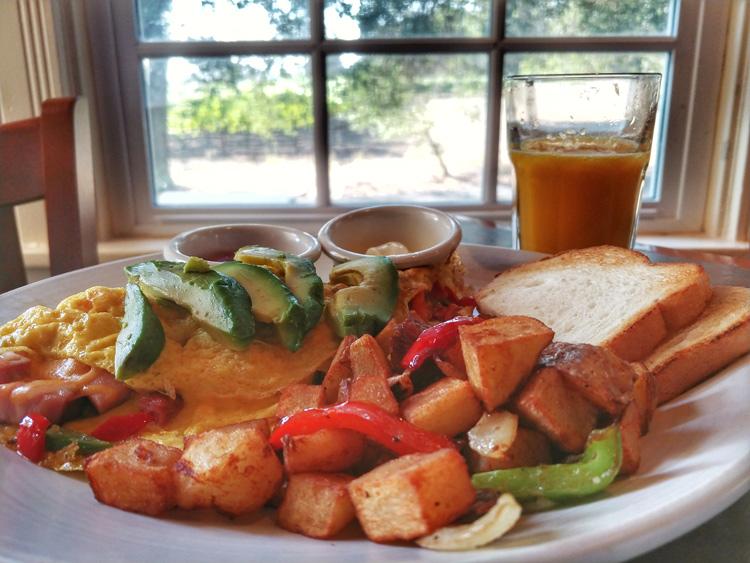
{"x": 217, "y": 385}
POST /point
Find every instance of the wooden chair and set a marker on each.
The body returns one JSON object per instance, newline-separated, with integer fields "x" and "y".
{"x": 48, "y": 157}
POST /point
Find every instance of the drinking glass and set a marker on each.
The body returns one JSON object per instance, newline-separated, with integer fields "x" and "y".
{"x": 580, "y": 145}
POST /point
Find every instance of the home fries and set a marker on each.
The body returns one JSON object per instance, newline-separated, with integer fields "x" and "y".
{"x": 398, "y": 401}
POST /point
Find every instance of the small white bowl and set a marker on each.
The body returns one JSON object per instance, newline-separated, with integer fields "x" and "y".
{"x": 429, "y": 234}
{"x": 221, "y": 241}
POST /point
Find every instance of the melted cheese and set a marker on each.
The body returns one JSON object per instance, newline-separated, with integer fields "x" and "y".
{"x": 218, "y": 385}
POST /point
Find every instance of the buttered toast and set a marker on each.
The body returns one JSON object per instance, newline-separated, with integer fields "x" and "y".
{"x": 604, "y": 295}
{"x": 719, "y": 336}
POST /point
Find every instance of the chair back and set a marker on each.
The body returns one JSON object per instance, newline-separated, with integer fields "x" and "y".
{"x": 48, "y": 157}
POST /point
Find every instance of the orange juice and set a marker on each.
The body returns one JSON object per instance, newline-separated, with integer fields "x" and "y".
{"x": 573, "y": 195}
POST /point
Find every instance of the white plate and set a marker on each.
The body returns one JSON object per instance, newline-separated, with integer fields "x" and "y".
{"x": 696, "y": 462}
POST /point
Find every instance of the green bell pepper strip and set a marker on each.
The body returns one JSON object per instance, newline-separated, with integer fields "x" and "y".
{"x": 594, "y": 472}
{"x": 57, "y": 438}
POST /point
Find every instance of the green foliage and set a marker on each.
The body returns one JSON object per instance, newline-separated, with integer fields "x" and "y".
{"x": 256, "y": 110}
{"x": 385, "y": 95}
{"x": 407, "y": 18}
{"x": 565, "y": 18}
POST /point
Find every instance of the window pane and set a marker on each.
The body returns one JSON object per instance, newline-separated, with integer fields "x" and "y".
{"x": 406, "y": 127}
{"x": 419, "y": 18}
{"x": 581, "y": 18}
{"x": 587, "y": 62}
{"x": 230, "y": 131}
{"x": 222, "y": 20}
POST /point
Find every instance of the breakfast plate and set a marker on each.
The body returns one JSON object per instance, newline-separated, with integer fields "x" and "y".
{"x": 696, "y": 462}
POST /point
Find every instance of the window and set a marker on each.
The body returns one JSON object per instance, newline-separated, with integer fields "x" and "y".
{"x": 294, "y": 110}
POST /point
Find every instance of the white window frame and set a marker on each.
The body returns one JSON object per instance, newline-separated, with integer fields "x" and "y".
{"x": 696, "y": 49}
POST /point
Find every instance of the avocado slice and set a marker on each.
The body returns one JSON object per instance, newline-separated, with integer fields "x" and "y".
{"x": 218, "y": 302}
{"x": 298, "y": 274}
{"x": 141, "y": 338}
{"x": 368, "y": 303}
{"x": 273, "y": 302}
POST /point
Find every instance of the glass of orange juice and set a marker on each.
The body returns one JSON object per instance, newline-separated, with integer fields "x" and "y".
{"x": 580, "y": 145}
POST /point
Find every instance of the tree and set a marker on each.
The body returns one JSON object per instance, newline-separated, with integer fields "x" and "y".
{"x": 549, "y": 18}
{"x": 384, "y": 96}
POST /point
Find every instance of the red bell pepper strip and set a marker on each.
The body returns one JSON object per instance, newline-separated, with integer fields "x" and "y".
{"x": 466, "y": 302}
{"x": 433, "y": 340}
{"x": 120, "y": 427}
{"x": 30, "y": 439}
{"x": 396, "y": 434}
{"x": 445, "y": 293}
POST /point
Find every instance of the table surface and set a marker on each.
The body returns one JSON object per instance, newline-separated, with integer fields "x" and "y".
{"x": 725, "y": 537}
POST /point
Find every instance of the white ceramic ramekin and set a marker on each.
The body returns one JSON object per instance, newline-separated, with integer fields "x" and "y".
{"x": 429, "y": 234}
{"x": 221, "y": 241}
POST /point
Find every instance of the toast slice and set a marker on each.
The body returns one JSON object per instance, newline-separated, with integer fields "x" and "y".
{"x": 604, "y": 295}
{"x": 720, "y": 335}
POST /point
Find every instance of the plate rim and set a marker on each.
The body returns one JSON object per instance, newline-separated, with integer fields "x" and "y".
{"x": 657, "y": 528}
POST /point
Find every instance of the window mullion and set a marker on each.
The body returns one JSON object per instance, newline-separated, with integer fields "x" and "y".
{"x": 609, "y": 43}
{"x": 222, "y": 48}
{"x": 494, "y": 92}
{"x": 320, "y": 106}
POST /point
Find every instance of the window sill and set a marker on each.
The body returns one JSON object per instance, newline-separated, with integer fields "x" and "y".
{"x": 696, "y": 242}
{"x": 36, "y": 256}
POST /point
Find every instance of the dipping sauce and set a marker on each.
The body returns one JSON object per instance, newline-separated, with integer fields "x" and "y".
{"x": 392, "y": 248}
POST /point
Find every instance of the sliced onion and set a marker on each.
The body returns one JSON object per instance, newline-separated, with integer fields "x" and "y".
{"x": 493, "y": 434}
{"x": 489, "y": 527}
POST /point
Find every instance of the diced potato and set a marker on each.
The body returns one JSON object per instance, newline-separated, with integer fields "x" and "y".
{"x": 412, "y": 496}
{"x": 448, "y": 369}
{"x": 401, "y": 386}
{"x": 329, "y": 450}
{"x": 135, "y": 475}
{"x": 630, "y": 432}
{"x": 298, "y": 397}
{"x": 455, "y": 356}
{"x": 375, "y": 390}
{"x": 530, "y": 448}
{"x": 500, "y": 353}
{"x": 344, "y": 389}
{"x": 263, "y": 425}
{"x": 448, "y": 407}
{"x": 373, "y": 456}
{"x": 598, "y": 374}
{"x": 233, "y": 469}
{"x": 385, "y": 337}
{"x": 339, "y": 370}
{"x": 316, "y": 504}
{"x": 556, "y": 410}
{"x": 644, "y": 396}
{"x": 367, "y": 358}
